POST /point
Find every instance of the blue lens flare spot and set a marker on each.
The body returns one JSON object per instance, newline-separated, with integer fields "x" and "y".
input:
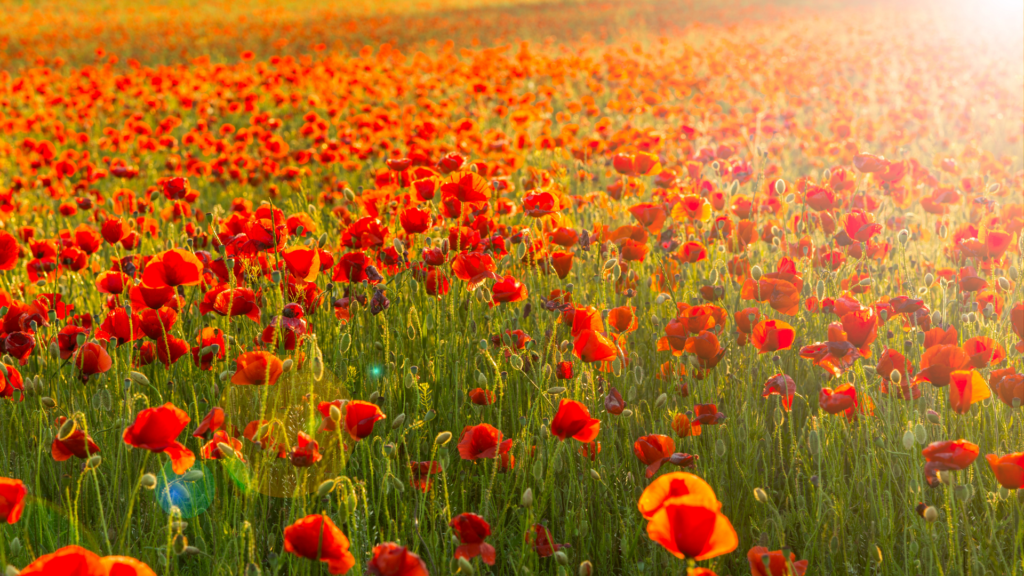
{"x": 191, "y": 497}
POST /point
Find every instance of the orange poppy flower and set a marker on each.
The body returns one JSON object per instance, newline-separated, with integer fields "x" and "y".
{"x": 1008, "y": 469}
{"x": 842, "y": 399}
{"x": 592, "y": 346}
{"x": 317, "y": 538}
{"x": 76, "y": 444}
{"x": 508, "y": 290}
{"x": 682, "y": 426}
{"x": 685, "y": 517}
{"x": 1008, "y": 386}
{"x": 939, "y": 361}
{"x": 257, "y": 368}
{"x": 947, "y": 455}
{"x": 572, "y": 420}
{"x": 780, "y": 385}
{"x": 772, "y": 335}
{"x": 965, "y": 388}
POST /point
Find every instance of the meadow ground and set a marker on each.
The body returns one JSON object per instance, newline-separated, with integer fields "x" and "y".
{"x": 511, "y": 287}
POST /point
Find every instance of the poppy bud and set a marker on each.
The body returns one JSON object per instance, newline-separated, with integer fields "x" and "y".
{"x": 148, "y": 481}
{"x": 54, "y": 349}
{"x": 931, "y": 514}
{"x": 11, "y": 571}
{"x": 225, "y": 375}
{"x": 398, "y": 421}
{"x": 67, "y": 429}
{"x": 962, "y": 492}
{"x": 943, "y": 232}
{"x": 813, "y": 443}
{"x": 627, "y": 413}
{"x": 866, "y": 282}
{"x": 936, "y": 318}
{"x": 760, "y": 495}
{"x": 15, "y": 546}
{"x": 908, "y": 440}
{"x": 595, "y": 475}
{"x": 586, "y": 568}
{"x": 903, "y": 236}
{"x": 661, "y": 298}
{"x": 662, "y": 399}
{"x": 464, "y": 565}
{"x": 527, "y": 499}
{"x": 556, "y": 389}
{"x": 442, "y": 438}
{"x": 920, "y": 434}
{"x": 561, "y": 558}
{"x": 287, "y": 365}
{"x": 993, "y": 188}
{"x": 430, "y": 415}
{"x": 1014, "y": 273}
{"x": 516, "y": 361}
{"x": 94, "y": 462}
{"x": 780, "y": 187}
{"x": 48, "y": 402}
{"x": 933, "y": 416}
{"x": 655, "y": 321}
{"x": 1003, "y": 284}
{"x": 756, "y": 273}
{"x": 138, "y": 378}
{"x": 194, "y": 475}
{"x": 720, "y": 448}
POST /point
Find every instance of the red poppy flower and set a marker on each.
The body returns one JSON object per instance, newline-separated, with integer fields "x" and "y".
{"x": 543, "y": 541}
{"x": 706, "y": 348}
{"x": 414, "y": 220}
{"x": 633, "y": 251}
{"x": 227, "y": 301}
{"x": 842, "y": 399}
{"x": 693, "y": 208}
{"x": 211, "y": 450}
{"x": 77, "y": 443}
{"x": 861, "y": 329}
{"x": 156, "y": 430}
{"x": 471, "y": 530}
{"x": 360, "y": 417}
{"x": 564, "y": 370}
{"x": 257, "y": 368}
{"x": 302, "y": 263}
{"x": 562, "y": 263}
{"x": 947, "y": 455}
{"x": 707, "y": 414}
{"x": 623, "y": 319}
{"x": 481, "y": 397}
{"x": 421, "y": 473}
{"x": 175, "y": 267}
{"x": 473, "y": 268}
{"x": 573, "y": 420}
{"x": 682, "y": 426}
{"x": 869, "y": 163}
{"x": 780, "y": 385}
{"x": 676, "y": 333}
{"x": 481, "y": 441}
{"x": 20, "y": 345}
{"x": 777, "y": 565}
{"x": 650, "y": 216}
{"x": 12, "y": 500}
{"x": 317, "y": 538}
{"x": 306, "y": 451}
{"x": 211, "y": 347}
{"x": 91, "y": 358}
{"x": 654, "y": 450}
{"x": 212, "y": 422}
{"x": 782, "y": 295}
{"x": 772, "y": 335}
{"x": 939, "y": 361}
{"x": 1008, "y": 469}
{"x": 78, "y": 561}
{"x": 390, "y": 559}
{"x": 9, "y": 251}
{"x": 685, "y": 517}
{"x": 508, "y": 290}
{"x": 592, "y": 346}
{"x": 1008, "y": 386}
{"x": 984, "y": 351}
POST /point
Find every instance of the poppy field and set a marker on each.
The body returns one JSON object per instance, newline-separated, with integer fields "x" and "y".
{"x": 511, "y": 287}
